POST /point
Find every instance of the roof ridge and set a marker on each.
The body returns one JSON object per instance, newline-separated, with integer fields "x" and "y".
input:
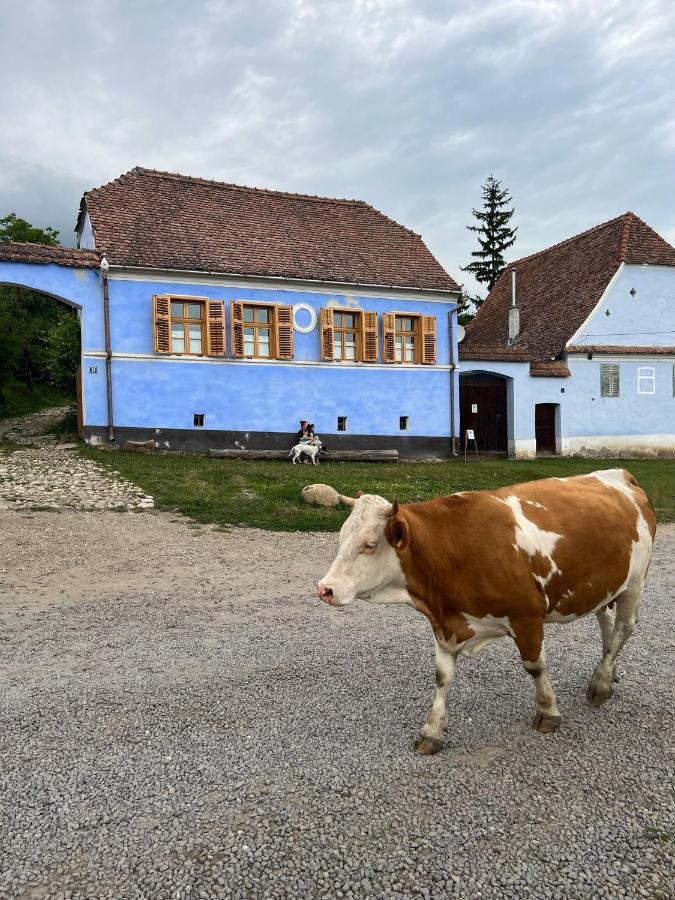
{"x": 212, "y": 182}
{"x": 568, "y": 240}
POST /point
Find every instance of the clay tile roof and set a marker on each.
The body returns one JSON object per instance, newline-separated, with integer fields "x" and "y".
{"x": 552, "y": 369}
{"x": 558, "y": 288}
{"x": 162, "y": 220}
{"x": 621, "y": 348}
{"x": 16, "y": 251}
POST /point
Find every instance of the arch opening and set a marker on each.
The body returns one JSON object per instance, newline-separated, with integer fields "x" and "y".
{"x": 486, "y": 409}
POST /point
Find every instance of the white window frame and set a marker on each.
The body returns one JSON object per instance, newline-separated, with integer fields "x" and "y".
{"x": 648, "y": 374}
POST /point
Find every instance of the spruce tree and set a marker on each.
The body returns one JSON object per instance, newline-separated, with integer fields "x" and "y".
{"x": 494, "y": 234}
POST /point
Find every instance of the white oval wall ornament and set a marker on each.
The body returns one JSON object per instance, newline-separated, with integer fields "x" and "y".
{"x": 308, "y": 326}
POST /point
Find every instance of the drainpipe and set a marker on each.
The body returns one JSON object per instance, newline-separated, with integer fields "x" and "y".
{"x": 104, "y": 267}
{"x": 453, "y": 366}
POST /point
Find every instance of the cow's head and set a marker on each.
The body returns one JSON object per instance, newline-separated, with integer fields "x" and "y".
{"x": 367, "y": 566}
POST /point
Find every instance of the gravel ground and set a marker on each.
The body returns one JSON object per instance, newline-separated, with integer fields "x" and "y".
{"x": 180, "y": 718}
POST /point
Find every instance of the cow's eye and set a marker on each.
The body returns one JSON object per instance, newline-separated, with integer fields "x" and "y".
{"x": 370, "y": 546}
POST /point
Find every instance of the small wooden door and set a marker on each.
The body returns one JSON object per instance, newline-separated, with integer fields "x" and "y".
{"x": 544, "y": 427}
{"x": 482, "y": 408}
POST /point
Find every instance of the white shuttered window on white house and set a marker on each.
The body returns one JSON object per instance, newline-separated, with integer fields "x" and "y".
{"x": 646, "y": 380}
{"x": 609, "y": 380}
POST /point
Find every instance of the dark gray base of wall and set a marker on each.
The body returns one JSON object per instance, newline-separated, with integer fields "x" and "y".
{"x": 200, "y": 440}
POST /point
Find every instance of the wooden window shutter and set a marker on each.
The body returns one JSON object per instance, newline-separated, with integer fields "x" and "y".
{"x": 215, "y": 327}
{"x": 388, "y": 337}
{"x": 428, "y": 355}
{"x": 237, "y": 328}
{"x": 369, "y": 340}
{"x": 161, "y": 323}
{"x": 326, "y": 334}
{"x": 283, "y": 321}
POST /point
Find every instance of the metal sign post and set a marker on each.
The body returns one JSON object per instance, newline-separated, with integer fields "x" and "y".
{"x": 470, "y": 438}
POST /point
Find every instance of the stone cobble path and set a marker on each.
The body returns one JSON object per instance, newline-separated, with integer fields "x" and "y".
{"x": 53, "y": 476}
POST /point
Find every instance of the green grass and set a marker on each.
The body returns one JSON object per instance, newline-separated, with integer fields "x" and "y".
{"x": 16, "y": 401}
{"x": 267, "y": 494}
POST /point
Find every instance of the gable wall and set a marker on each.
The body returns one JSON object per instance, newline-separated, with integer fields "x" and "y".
{"x": 646, "y": 319}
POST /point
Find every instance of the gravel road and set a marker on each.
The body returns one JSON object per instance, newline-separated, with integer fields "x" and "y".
{"x": 180, "y": 718}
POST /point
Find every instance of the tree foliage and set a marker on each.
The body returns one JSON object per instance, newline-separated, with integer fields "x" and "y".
{"x": 495, "y": 235}
{"x": 12, "y": 228}
{"x": 39, "y": 337}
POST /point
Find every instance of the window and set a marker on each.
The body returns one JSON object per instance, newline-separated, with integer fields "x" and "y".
{"x": 406, "y": 339}
{"x": 609, "y": 380}
{"x": 258, "y": 331}
{"x": 409, "y": 338}
{"x": 261, "y": 331}
{"x": 198, "y": 420}
{"x": 403, "y": 423}
{"x": 646, "y": 380}
{"x": 345, "y": 335}
{"x": 349, "y": 335}
{"x": 187, "y": 327}
{"x": 342, "y": 423}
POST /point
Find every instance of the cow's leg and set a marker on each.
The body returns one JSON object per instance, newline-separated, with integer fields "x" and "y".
{"x": 600, "y": 687}
{"x": 529, "y": 637}
{"x": 605, "y": 619}
{"x": 431, "y": 735}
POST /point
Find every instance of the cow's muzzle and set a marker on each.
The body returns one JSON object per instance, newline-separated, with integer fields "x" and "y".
{"x": 325, "y": 593}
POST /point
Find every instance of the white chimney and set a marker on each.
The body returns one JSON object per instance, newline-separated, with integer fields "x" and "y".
{"x": 514, "y": 312}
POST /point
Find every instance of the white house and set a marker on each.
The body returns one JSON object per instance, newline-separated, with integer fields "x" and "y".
{"x": 573, "y": 351}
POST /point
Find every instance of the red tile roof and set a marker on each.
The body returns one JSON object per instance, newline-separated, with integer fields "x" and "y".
{"x": 17, "y": 251}
{"x": 161, "y": 220}
{"x": 619, "y": 348}
{"x": 553, "y": 369}
{"x": 558, "y": 288}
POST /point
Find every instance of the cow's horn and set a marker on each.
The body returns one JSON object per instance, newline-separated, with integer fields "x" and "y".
{"x": 348, "y": 501}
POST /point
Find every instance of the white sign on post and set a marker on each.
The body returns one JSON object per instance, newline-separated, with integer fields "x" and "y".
{"x": 474, "y": 407}
{"x": 470, "y": 436}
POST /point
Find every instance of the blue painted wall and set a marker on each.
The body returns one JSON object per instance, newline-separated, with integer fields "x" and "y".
{"x": 156, "y": 391}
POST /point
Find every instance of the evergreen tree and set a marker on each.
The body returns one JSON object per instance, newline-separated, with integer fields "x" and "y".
{"x": 494, "y": 234}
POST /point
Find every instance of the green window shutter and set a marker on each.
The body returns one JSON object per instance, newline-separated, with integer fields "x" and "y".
{"x": 609, "y": 380}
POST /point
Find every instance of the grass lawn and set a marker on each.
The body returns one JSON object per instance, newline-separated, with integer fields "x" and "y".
{"x": 267, "y": 494}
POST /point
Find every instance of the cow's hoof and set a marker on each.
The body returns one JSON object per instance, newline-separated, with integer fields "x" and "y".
{"x": 427, "y": 746}
{"x": 597, "y": 698}
{"x": 546, "y": 724}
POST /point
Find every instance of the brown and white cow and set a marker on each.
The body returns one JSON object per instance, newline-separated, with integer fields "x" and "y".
{"x": 485, "y": 564}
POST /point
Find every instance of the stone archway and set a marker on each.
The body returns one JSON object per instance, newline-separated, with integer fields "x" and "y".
{"x": 483, "y": 408}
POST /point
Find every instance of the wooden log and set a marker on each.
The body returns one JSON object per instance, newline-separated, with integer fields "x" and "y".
{"x": 390, "y": 456}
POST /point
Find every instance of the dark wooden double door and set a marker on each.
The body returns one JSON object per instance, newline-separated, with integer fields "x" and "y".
{"x": 482, "y": 409}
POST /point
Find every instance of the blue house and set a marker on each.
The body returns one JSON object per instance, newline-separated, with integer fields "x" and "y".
{"x": 218, "y": 316}
{"x": 573, "y": 350}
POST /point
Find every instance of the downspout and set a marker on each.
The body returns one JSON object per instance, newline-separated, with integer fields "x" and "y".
{"x": 108, "y": 351}
{"x": 453, "y": 366}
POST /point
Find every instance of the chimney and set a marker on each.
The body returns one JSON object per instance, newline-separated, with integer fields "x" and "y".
{"x": 514, "y": 312}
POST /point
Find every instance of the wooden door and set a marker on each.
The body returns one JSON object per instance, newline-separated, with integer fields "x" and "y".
{"x": 482, "y": 408}
{"x": 544, "y": 427}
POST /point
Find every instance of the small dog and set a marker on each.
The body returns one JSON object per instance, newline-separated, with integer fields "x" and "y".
{"x": 310, "y": 450}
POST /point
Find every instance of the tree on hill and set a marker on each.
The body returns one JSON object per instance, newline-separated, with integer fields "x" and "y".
{"x": 495, "y": 235}
{"x": 39, "y": 337}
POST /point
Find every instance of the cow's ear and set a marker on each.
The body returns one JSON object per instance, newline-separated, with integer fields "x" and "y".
{"x": 397, "y": 532}
{"x": 359, "y": 494}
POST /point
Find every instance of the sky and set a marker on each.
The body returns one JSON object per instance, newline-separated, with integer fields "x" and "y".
{"x": 407, "y": 104}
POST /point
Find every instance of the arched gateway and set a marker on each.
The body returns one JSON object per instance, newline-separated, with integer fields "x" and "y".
{"x": 73, "y": 277}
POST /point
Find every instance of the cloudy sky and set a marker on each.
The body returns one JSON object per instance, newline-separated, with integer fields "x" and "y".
{"x": 408, "y": 104}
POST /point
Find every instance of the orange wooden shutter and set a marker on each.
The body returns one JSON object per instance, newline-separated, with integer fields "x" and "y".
{"x": 215, "y": 327}
{"x": 326, "y": 334}
{"x": 237, "y": 328}
{"x": 428, "y": 340}
{"x": 369, "y": 340}
{"x": 388, "y": 336}
{"x": 283, "y": 316}
{"x": 161, "y": 323}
